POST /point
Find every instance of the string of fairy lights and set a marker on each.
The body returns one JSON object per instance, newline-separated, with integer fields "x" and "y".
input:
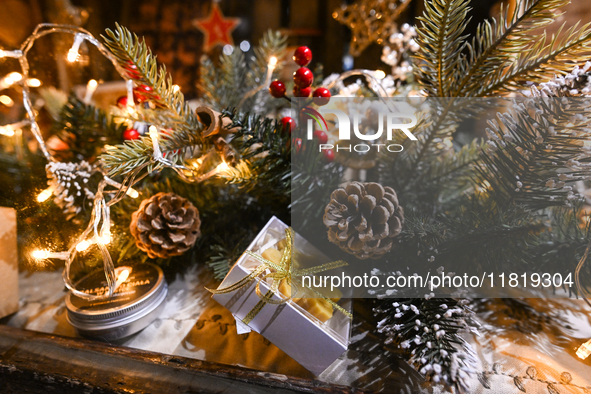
{"x": 98, "y": 230}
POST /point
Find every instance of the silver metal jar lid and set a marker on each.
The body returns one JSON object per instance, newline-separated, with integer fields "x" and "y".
{"x": 137, "y": 302}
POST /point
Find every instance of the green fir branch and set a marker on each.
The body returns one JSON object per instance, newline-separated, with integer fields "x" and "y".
{"x": 536, "y": 153}
{"x": 85, "y": 129}
{"x": 133, "y": 54}
{"x": 496, "y": 44}
{"x": 272, "y": 44}
{"x": 439, "y": 63}
{"x": 220, "y": 262}
{"x": 264, "y": 144}
{"x": 541, "y": 62}
{"x": 239, "y": 82}
{"x": 502, "y": 59}
{"x": 124, "y": 158}
{"x": 430, "y": 331}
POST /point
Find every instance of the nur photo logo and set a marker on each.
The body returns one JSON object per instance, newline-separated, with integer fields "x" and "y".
{"x": 349, "y": 130}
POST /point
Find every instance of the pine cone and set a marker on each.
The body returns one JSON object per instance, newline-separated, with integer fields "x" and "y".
{"x": 363, "y": 219}
{"x": 73, "y": 186}
{"x": 165, "y": 225}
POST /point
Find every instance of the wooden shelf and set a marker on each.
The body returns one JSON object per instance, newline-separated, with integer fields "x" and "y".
{"x": 32, "y": 362}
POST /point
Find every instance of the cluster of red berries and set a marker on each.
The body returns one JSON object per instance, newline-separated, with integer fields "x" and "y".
{"x": 303, "y": 79}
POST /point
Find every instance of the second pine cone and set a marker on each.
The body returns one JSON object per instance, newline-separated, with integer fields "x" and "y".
{"x": 165, "y": 225}
{"x": 363, "y": 219}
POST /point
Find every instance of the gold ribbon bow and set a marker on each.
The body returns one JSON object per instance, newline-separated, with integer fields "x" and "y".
{"x": 279, "y": 272}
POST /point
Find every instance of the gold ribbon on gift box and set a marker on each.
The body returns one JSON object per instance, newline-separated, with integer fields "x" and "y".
{"x": 279, "y": 272}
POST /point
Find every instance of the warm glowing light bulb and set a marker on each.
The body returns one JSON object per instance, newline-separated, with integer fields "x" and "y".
{"x": 44, "y": 195}
{"x": 585, "y": 350}
{"x": 4, "y": 99}
{"x": 130, "y": 102}
{"x": 33, "y": 82}
{"x": 272, "y": 62}
{"x": 90, "y": 89}
{"x": 73, "y": 52}
{"x": 223, "y": 166}
{"x": 72, "y": 55}
{"x": 197, "y": 163}
{"x": 132, "y": 193}
{"x": 153, "y": 131}
{"x": 40, "y": 254}
{"x": 7, "y": 131}
{"x": 82, "y": 246}
{"x": 123, "y": 276}
{"x": 14, "y": 77}
{"x": 105, "y": 239}
{"x": 14, "y": 54}
{"x": 175, "y": 88}
{"x": 379, "y": 74}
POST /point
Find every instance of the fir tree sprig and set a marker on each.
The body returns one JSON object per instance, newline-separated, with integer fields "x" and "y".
{"x": 134, "y": 55}
{"x": 85, "y": 129}
{"x": 440, "y": 60}
{"x": 266, "y": 146}
{"x": 545, "y": 59}
{"x": 124, "y": 158}
{"x": 272, "y": 44}
{"x": 238, "y": 82}
{"x": 496, "y": 43}
{"x": 501, "y": 58}
{"x": 536, "y": 152}
{"x": 222, "y": 84}
{"x": 430, "y": 331}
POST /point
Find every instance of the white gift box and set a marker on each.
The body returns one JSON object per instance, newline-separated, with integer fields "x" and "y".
{"x": 309, "y": 341}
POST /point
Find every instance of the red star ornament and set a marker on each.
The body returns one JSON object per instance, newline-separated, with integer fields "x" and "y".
{"x": 217, "y": 29}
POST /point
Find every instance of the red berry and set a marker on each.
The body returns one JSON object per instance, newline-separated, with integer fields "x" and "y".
{"x": 277, "y": 89}
{"x": 303, "y": 77}
{"x": 287, "y": 122}
{"x": 145, "y": 88}
{"x": 321, "y": 136}
{"x": 328, "y": 155}
{"x": 322, "y": 96}
{"x": 305, "y": 92}
{"x": 322, "y": 92}
{"x": 132, "y": 70}
{"x": 131, "y": 134}
{"x": 302, "y": 56}
{"x": 297, "y": 142}
{"x": 122, "y": 102}
{"x": 143, "y": 93}
{"x": 138, "y": 97}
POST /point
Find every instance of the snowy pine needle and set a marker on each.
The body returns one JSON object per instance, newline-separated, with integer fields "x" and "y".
{"x": 430, "y": 330}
